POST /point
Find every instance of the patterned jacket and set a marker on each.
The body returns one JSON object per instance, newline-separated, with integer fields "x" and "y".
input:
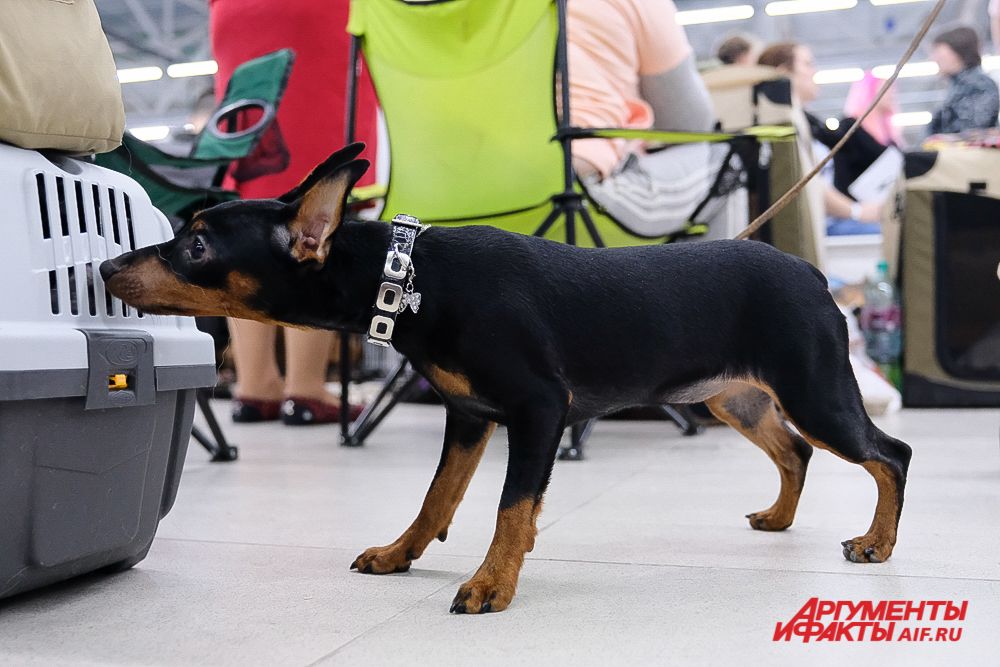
{"x": 972, "y": 103}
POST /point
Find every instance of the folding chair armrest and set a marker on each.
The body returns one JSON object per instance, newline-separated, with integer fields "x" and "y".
{"x": 153, "y": 156}
{"x": 255, "y": 84}
{"x": 759, "y": 133}
{"x": 362, "y": 196}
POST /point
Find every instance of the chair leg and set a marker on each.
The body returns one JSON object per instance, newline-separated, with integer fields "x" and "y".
{"x": 345, "y": 383}
{"x": 570, "y": 225}
{"x": 396, "y": 387}
{"x": 588, "y": 222}
{"x": 683, "y": 417}
{"x": 550, "y": 219}
{"x": 579, "y": 433}
{"x": 218, "y": 447}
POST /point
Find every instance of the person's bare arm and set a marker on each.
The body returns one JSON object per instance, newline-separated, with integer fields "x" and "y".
{"x": 839, "y": 205}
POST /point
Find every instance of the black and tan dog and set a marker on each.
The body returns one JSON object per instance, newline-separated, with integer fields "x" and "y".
{"x": 537, "y": 335}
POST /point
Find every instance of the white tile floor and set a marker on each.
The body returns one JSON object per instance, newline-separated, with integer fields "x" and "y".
{"x": 644, "y": 556}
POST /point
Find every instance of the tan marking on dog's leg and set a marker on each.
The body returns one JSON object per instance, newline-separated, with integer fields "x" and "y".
{"x": 878, "y": 543}
{"x": 493, "y": 585}
{"x": 812, "y": 440}
{"x": 534, "y": 523}
{"x": 753, "y": 413}
{"x": 443, "y": 497}
{"x": 449, "y": 383}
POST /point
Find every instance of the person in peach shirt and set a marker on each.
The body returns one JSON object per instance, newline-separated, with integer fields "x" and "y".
{"x": 631, "y": 66}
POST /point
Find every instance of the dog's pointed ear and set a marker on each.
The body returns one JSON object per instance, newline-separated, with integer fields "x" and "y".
{"x": 325, "y": 168}
{"x": 319, "y": 207}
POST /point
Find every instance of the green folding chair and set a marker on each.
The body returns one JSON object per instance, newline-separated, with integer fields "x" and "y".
{"x": 182, "y": 186}
{"x": 468, "y": 89}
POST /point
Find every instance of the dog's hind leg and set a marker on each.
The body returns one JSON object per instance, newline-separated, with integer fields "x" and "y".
{"x": 820, "y": 397}
{"x": 465, "y": 440}
{"x": 752, "y": 412}
{"x": 534, "y": 430}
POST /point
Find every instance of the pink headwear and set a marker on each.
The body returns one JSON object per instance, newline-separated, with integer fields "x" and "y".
{"x": 879, "y": 123}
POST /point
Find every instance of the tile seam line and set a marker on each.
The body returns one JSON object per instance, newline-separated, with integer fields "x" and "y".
{"x": 312, "y": 546}
{"x": 389, "y": 619}
{"x": 767, "y": 569}
{"x": 600, "y": 494}
{"x": 293, "y": 546}
{"x": 601, "y": 562}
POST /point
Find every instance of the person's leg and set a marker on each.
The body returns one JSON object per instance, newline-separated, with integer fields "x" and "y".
{"x": 307, "y": 356}
{"x": 655, "y": 194}
{"x": 258, "y": 381}
{"x": 256, "y": 366}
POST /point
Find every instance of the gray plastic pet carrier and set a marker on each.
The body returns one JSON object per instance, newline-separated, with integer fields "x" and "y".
{"x": 96, "y": 398}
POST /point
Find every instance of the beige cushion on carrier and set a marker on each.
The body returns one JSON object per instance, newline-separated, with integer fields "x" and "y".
{"x": 58, "y": 82}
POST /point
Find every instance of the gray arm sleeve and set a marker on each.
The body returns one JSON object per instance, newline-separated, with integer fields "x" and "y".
{"x": 679, "y": 99}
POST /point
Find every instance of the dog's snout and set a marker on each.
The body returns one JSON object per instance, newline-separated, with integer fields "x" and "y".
{"x": 109, "y": 267}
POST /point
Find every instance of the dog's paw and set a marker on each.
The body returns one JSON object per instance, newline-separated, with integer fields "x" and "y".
{"x": 768, "y": 520}
{"x": 383, "y": 560}
{"x": 481, "y": 595}
{"x": 867, "y": 549}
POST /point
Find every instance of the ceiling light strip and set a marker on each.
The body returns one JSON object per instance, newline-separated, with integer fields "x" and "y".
{"x": 715, "y": 14}
{"x": 788, "y": 7}
{"x": 196, "y": 68}
{"x": 139, "y": 74}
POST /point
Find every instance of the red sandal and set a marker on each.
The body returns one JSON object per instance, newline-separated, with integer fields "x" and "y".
{"x": 298, "y": 411}
{"x": 251, "y": 410}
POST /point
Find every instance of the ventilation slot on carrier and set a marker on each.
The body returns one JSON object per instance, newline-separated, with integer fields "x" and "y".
{"x": 91, "y": 298}
{"x": 74, "y": 306}
{"x": 114, "y": 217}
{"x": 54, "y": 292}
{"x": 43, "y": 206}
{"x": 63, "y": 216}
{"x": 128, "y": 222}
{"x": 98, "y": 217}
{"x": 80, "y": 217}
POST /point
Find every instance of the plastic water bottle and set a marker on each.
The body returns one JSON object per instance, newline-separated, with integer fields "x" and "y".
{"x": 881, "y": 323}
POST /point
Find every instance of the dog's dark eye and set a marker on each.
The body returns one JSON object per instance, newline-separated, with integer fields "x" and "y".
{"x": 197, "y": 250}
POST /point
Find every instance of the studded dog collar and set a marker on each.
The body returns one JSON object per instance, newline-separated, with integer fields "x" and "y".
{"x": 396, "y": 293}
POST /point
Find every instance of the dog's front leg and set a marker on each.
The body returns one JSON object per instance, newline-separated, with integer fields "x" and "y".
{"x": 534, "y": 433}
{"x": 465, "y": 439}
